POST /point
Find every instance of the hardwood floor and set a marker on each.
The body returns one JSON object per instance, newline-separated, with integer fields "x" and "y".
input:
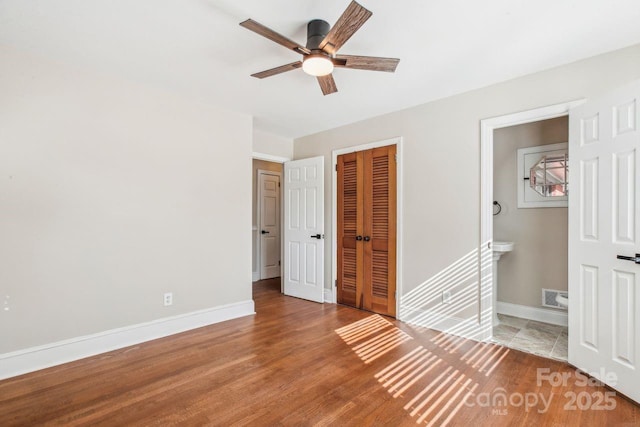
{"x": 302, "y": 363}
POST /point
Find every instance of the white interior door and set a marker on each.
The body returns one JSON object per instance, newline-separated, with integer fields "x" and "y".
{"x": 304, "y": 228}
{"x": 604, "y": 292}
{"x": 269, "y": 227}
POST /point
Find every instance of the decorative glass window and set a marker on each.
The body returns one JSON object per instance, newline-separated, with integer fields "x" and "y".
{"x": 549, "y": 176}
{"x": 548, "y": 189}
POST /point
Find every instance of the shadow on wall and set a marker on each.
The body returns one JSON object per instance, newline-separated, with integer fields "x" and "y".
{"x": 462, "y": 315}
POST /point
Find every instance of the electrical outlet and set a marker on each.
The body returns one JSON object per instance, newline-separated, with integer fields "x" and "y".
{"x": 446, "y": 297}
{"x": 168, "y": 299}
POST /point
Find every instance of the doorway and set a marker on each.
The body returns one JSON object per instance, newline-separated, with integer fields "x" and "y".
{"x": 267, "y": 221}
{"x": 530, "y": 230}
{"x": 489, "y": 305}
{"x": 366, "y": 235}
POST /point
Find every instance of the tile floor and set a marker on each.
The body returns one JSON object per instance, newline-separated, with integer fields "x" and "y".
{"x": 534, "y": 337}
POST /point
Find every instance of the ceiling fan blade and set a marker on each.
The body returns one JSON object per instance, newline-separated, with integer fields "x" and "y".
{"x": 267, "y": 32}
{"x": 327, "y": 84}
{"x": 277, "y": 70}
{"x": 348, "y": 23}
{"x": 372, "y": 63}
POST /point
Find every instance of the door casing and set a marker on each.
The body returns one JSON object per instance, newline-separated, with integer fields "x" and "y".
{"x": 334, "y": 215}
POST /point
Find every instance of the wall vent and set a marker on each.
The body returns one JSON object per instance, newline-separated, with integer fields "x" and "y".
{"x": 549, "y": 298}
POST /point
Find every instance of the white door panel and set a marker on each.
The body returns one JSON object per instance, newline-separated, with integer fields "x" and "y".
{"x": 604, "y": 299}
{"x": 269, "y": 194}
{"x": 304, "y": 219}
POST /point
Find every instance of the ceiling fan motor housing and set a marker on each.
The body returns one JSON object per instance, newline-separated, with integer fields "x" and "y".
{"x": 316, "y": 32}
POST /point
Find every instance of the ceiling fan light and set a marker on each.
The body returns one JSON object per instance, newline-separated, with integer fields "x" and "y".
{"x": 317, "y": 65}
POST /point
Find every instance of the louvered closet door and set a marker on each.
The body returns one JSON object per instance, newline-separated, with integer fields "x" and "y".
{"x": 350, "y": 216}
{"x": 367, "y": 230}
{"x": 380, "y": 229}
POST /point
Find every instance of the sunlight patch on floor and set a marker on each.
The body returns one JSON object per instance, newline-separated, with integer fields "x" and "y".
{"x": 433, "y": 390}
{"x": 449, "y": 343}
{"x": 358, "y": 330}
{"x": 380, "y": 345}
{"x": 382, "y": 337}
{"x": 404, "y": 373}
{"x": 485, "y": 357}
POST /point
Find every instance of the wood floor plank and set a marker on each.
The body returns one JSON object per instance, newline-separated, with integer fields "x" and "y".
{"x": 302, "y": 363}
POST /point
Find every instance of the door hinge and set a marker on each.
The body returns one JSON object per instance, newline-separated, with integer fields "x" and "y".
{"x": 395, "y": 157}
{"x": 336, "y": 283}
{"x": 278, "y": 184}
{"x": 336, "y": 167}
{"x": 278, "y": 262}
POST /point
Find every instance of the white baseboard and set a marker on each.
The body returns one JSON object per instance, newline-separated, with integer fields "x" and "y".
{"x": 328, "y": 296}
{"x": 255, "y": 276}
{"x": 534, "y": 313}
{"x": 44, "y": 356}
{"x": 466, "y": 328}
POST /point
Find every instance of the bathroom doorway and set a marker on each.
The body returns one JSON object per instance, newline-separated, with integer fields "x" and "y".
{"x": 530, "y": 237}
{"x": 489, "y": 300}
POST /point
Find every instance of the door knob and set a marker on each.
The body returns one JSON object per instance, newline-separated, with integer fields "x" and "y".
{"x": 264, "y": 232}
{"x": 635, "y": 259}
{"x": 358, "y": 238}
{"x": 367, "y": 238}
{"x": 317, "y": 236}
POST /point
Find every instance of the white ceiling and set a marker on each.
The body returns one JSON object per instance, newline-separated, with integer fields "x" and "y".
{"x": 197, "y": 48}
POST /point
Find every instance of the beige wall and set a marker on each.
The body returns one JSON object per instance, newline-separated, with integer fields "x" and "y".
{"x": 441, "y": 163}
{"x": 539, "y": 259}
{"x": 268, "y": 166}
{"x": 111, "y": 195}
{"x": 273, "y": 145}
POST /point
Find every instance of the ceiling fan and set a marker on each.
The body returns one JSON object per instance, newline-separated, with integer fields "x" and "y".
{"x": 319, "y": 56}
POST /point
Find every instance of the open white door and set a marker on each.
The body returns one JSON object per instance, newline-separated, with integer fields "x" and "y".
{"x": 604, "y": 209}
{"x": 304, "y": 228}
